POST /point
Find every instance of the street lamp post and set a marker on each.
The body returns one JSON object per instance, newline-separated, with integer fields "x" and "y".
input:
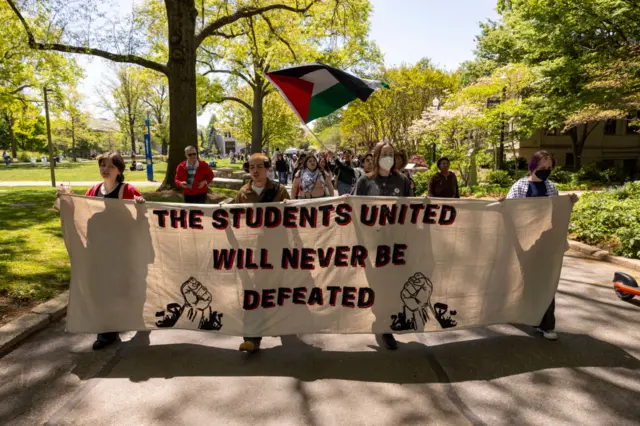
{"x": 51, "y": 162}
{"x": 147, "y": 149}
{"x": 436, "y": 105}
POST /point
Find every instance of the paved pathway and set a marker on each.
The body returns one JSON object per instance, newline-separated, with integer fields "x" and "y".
{"x": 490, "y": 375}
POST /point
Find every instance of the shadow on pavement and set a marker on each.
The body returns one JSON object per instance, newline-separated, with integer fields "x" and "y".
{"x": 408, "y": 365}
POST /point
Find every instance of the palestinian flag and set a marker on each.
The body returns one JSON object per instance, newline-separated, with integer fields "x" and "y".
{"x": 316, "y": 90}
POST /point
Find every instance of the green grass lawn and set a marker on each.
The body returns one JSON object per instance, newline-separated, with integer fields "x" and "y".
{"x": 83, "y": 171}
{"x": 33, "y": 259}
{"x": 34, "y": 264}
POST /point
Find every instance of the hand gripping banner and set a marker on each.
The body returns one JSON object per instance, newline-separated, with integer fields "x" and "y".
{"x": 331, "y": 265}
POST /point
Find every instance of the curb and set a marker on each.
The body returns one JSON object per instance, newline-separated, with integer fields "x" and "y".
{"x": 604, "y": 256}
{"x": 38, "y": 318}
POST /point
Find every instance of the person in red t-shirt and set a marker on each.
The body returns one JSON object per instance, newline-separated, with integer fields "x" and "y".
{"x": 194, "y": 177}
{"x": 112, "y": 186}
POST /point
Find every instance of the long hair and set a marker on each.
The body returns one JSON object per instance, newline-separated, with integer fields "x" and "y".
{"x": 377, "y": 151}
{"x": 115, "y": 159}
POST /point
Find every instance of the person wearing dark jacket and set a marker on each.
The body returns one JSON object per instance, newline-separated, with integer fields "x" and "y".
{"x": 194, "y": 177}
{"x": 384, "y": 181}
{"x": 282, "y": 167}
{"x": 260, "y": 190}
{"x": 345, "y": 172}
{"x": 444, "y": 184}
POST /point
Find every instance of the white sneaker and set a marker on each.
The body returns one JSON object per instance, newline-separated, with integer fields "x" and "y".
{"x": 549, "y": 335}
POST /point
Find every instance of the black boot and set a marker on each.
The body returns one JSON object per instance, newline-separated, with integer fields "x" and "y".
{"x": 105, "y": 339}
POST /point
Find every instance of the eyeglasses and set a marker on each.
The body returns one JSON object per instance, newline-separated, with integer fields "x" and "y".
{"x": 192, "y": 154}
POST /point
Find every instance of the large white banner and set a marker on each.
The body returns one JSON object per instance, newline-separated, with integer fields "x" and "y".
{"x": 332, "y": 265}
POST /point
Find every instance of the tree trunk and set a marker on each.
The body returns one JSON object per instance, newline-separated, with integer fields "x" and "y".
{"x": 12, "y": 137}
{"x": 183, "y": 126}
{"x": 133, "y": 136}
{"x": 165, "y": 145}
{"x": 577, "y": 145}
{"x": 256, "y": 117}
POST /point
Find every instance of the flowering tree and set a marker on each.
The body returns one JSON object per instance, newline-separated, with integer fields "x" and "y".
{"x": 456, "y": 130}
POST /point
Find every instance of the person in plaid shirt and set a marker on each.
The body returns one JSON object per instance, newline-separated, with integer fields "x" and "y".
{"x": 537, "y": 184}
{"x": 194, "y": 176}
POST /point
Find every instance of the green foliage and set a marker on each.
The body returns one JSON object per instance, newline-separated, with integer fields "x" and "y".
{"x": 280, "y": 126}
{"x": 500, "y": 178}
{"x": 421, "y": 180}
{"x": 490, "y": 191}
{"x": 389, "y": 113}
{"x": 585, "y": 56}
{"x": 25, "y": 156}
{"x": 560, "y": 176}
{"x": 610, "y": 218}
{"x": 588, "y": 173}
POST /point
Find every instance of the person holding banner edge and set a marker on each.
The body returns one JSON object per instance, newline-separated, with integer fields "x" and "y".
{"x": 384, "y": 181}
{"x": 111, "y": 165}
{"x": 537, "y": 184}
{"x": 261, "y": 189}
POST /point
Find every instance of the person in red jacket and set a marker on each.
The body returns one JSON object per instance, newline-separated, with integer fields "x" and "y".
{"x": 194, "y": 177}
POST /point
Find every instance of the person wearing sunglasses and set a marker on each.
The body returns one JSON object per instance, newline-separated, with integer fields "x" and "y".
{"x": 194, "y": 177}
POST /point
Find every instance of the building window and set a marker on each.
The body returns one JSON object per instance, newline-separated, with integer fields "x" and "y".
{"x": 569, "y": 159}
{"x": 610, "y": 127}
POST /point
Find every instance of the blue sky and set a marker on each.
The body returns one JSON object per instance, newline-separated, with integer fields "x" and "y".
{"x": 405, "y": 30}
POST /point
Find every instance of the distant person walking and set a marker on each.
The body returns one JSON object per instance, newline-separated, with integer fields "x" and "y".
{"x": 402, "y": 159}
{"x": 444, "y": 184}
{"x": 345, "y": 172}
{"x": 194, "y": 176}
{"x": 282, "y": 167}
{"x": 6, "y": 157}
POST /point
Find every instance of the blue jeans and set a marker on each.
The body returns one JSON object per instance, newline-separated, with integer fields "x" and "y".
{"x": 282, "y": 178}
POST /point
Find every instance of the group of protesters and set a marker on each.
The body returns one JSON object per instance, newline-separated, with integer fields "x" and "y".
{"x": 378, "y": 173}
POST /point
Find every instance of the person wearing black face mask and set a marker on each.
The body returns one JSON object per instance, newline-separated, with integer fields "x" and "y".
{"x": 537, "y": 184}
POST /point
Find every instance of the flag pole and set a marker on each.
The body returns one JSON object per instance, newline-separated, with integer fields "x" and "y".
{"x": 315, "y": 136}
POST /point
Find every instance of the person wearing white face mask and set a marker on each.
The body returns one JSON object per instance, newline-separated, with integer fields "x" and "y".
{"x": 384, "y": 181}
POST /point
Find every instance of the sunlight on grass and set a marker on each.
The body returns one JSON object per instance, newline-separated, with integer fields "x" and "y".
{"x": 34, "y": 263}
{"x": 86, "y": 171}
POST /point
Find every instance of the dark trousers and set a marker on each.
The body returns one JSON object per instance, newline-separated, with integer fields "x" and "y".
{"x": 255, "y": 340}
{"x": 548, "y": 322}
{"x": 111, "y": 335}
{"x": 196, "y": 198}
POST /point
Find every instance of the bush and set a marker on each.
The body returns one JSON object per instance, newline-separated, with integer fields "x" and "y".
{"x": 500, "y": 178}
{"x": 421, "y": 180}
{"x": 560, "y": 176}
{"x": 589, "y": 173}
{"x": 465, "y": 191}
{"x": 610, "y": 218}
{"x": 25, "y": 156}
{"x": 489, "y": 191}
